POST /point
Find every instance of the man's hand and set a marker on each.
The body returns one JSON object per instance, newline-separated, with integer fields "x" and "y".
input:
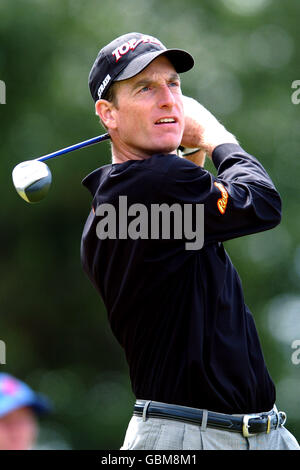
{"x": 202, "y": 130}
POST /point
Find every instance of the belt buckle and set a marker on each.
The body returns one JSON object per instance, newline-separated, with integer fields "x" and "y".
{"x": 245, "y": 427}
{"x": 284, "y": 418}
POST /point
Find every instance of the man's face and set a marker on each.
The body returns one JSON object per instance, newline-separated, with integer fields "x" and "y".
{"x": 18, "y": 430}
{"x": 144, "y": 103}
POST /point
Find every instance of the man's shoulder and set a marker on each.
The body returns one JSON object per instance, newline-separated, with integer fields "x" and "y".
{"x": 92, "y": 180}
{"x": 167, "y": 166}
{"x": 166, "y": 163}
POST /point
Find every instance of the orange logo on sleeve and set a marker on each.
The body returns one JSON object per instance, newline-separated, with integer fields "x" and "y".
{"x": 222, "y": 202}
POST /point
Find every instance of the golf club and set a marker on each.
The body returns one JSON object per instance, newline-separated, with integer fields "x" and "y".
{"x": 32, "y": 178}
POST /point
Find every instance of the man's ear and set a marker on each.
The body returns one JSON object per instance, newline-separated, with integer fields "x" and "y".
{"x": 105, "y": 111}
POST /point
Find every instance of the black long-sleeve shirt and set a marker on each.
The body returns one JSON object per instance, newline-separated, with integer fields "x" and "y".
{"x": 180, "y": 314}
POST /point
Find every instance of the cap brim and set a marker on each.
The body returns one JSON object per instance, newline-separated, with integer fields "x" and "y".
{"x": 181, "y": 60}
{"x": 41, "y": 405}
{"x": 38, "y": 403}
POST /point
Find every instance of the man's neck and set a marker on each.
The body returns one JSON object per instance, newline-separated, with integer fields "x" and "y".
{"x": 124, "y": 154}
{"x": 118, "y": 157}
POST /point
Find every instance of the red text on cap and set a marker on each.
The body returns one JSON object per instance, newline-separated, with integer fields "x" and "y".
{"x": 132, "y": 44}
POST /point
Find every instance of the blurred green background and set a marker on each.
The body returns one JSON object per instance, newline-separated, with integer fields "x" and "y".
{"x": 51, "y": 318}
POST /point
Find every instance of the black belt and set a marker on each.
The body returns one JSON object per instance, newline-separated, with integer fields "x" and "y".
{"x": 248, "y": 424}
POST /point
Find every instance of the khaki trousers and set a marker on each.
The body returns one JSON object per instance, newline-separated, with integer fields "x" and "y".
{"x": 165, "y": 434}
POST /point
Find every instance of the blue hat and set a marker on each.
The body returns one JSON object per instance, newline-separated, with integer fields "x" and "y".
{"x": 16, "y": 394}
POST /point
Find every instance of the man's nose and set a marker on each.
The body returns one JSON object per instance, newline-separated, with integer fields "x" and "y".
{"x": 166, "y": 97}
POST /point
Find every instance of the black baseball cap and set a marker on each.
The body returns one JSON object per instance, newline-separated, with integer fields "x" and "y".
{"x": 127, "y": 56}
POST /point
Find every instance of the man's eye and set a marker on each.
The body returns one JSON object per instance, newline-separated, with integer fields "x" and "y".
{"x": 145, "y": 88}
{"x": 174, "y": 84}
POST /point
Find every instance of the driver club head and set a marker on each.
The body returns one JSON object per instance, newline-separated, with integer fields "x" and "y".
{"x": 32, "y": 180}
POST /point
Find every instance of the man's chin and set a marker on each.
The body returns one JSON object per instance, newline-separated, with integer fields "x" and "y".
{"x": 168, "y": 151}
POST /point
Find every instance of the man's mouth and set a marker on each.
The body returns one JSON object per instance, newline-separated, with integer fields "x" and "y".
{"x": 165, "y": 121}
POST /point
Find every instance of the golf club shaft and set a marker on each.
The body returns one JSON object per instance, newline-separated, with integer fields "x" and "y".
{"x": 85, "y": 143}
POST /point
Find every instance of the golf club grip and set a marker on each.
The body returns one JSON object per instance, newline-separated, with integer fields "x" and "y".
{"x": 85, "y": 143}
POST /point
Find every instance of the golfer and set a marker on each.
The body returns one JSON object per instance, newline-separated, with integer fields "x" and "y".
{"x": 178, "y": 311}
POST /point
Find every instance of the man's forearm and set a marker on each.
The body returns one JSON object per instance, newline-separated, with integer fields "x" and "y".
{"x": 197, "y": 156}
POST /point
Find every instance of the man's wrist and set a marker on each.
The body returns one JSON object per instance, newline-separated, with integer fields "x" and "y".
{"x": 223, "y": 151}
{"x": 227, "y": 138}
